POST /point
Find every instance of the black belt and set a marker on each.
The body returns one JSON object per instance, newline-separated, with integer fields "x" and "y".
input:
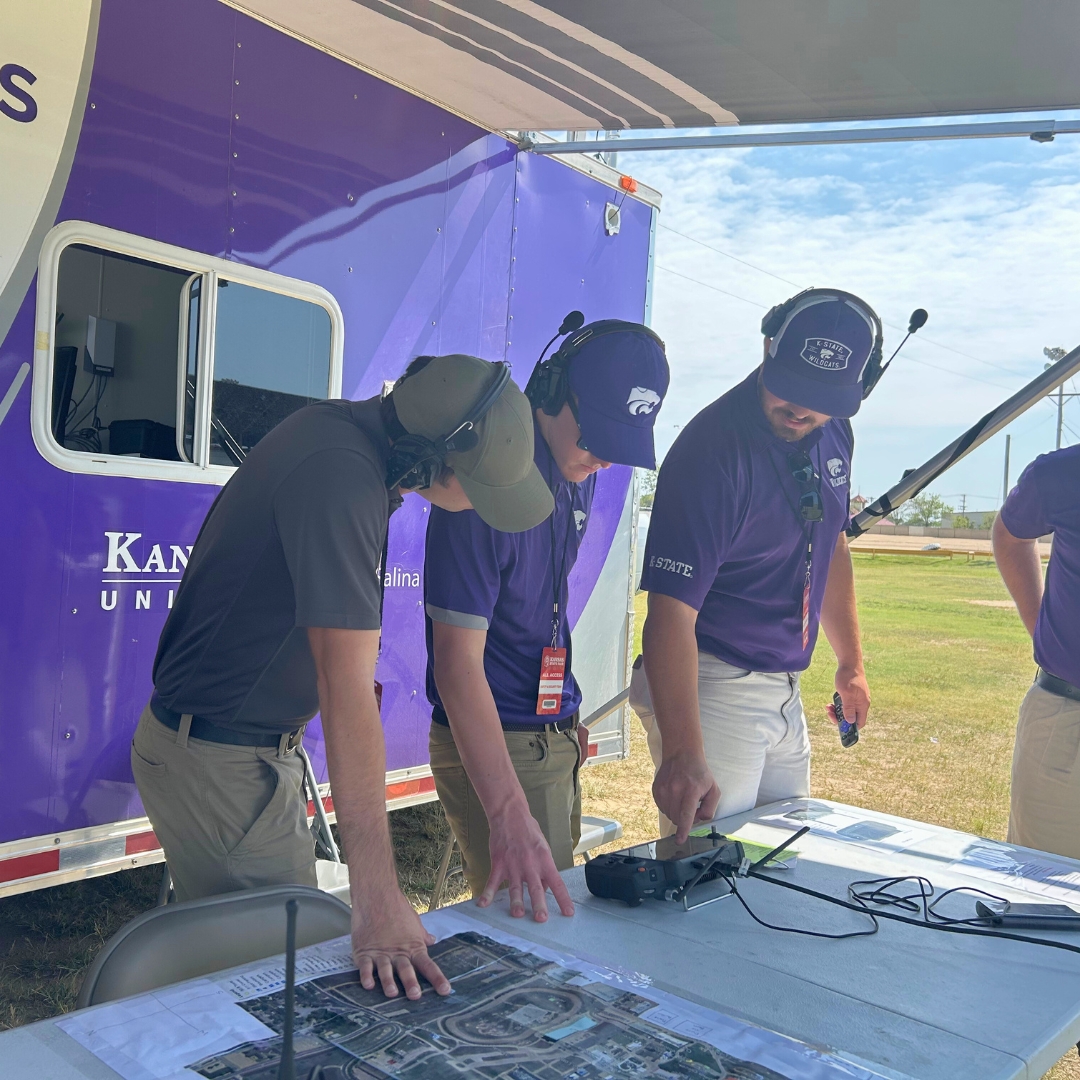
{"x": 568, "y": 723}
{"x": 211, "y": 732}
{"x": 1057, "y": 686}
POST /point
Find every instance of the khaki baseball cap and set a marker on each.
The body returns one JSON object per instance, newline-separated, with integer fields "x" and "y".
{"x": 498, "y": 474}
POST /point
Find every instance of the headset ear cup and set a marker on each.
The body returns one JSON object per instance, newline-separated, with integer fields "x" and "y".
{"x": 413, "y": 462}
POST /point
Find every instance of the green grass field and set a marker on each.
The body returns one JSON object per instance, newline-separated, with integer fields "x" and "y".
{"x": 948, "y": 663}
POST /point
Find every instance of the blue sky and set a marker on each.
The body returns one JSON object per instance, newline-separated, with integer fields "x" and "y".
{"x": 984, "y": 234}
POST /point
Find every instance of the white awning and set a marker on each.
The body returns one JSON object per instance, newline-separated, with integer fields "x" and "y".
{"x": 526, "y": 65}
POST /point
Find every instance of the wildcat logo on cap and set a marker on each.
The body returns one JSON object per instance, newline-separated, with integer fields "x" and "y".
{"x": 642, "y": 400}
{"x": 826, "y": 354}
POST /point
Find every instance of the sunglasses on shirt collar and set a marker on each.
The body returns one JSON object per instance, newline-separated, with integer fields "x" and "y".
{"x": 804, "y": 474}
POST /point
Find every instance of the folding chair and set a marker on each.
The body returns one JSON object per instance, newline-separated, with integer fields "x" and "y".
{"x": 196, "y": 937}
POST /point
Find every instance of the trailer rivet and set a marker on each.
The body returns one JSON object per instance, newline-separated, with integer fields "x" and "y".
{"x": 438, "y": 228}
{"x": 67, "y": 734}
{"x": 92, "y": 105}
{"x": 234, "y": 153}
{"x": 236, "y": 116}
{"x": 350, "y": 269}
{"x": 237, "y": 82}
{"x": 234, "y": 194}
{"x": 74, "y": 611}
{"x": 352, "y": 198}
{"x": 56, "y": 839}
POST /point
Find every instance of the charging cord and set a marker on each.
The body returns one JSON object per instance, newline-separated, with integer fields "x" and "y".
{"x": 877, "y": 892}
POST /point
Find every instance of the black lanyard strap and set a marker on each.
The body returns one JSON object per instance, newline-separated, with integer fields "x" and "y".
{"x": 808, "y": 534}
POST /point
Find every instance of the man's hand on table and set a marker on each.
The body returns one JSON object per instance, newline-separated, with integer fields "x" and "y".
{"x": 854, "y": 693}
{"x": 392, "y": 941}
{"x": 520, "y": 856}
{"x": 685, "y": 792}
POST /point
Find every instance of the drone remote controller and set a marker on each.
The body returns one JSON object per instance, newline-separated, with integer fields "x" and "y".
{"x": 662, "y": 868}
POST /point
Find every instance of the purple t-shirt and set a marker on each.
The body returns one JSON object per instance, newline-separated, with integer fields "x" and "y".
{"x": 1046, "y": 499}
{"x": 726, "y": 536}
{"x": 478, "y": 577}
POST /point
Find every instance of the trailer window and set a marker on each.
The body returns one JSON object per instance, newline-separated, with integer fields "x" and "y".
{"x": 271, "y": 357}
{"x": 160, "y": 355}
{"x": 115, "y": 354}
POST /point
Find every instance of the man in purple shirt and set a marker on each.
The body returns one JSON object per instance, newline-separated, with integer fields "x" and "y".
{"x": 746, "y": 555}
{"x": 1045, "y": 810}
{"x": 505, "y": 742}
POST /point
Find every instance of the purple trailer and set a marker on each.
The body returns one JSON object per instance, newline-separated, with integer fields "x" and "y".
{"x": 207, "y": 223}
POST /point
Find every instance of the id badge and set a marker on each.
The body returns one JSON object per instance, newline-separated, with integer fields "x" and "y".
{"x": 552, "y": 676}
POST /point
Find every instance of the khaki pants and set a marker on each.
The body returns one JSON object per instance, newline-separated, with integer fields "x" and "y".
{"x": 228, "y": 817}
{"x": 1045, "y": 801}
{"x": 546, "y": 764}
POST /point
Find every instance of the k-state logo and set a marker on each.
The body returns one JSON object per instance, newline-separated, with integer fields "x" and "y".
{"x": 579, "y": 519}
{"x": 837, "y": 472}
{"x": 826, "y": 354}
{"x": 642, "y": 400}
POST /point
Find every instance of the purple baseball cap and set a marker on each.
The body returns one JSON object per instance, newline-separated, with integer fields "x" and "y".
{"x": 619, "y": 378}
{"x": 817, "y": 357}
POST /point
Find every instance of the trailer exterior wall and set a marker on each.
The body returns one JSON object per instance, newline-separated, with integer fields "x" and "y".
{"x": 213, "y": 132}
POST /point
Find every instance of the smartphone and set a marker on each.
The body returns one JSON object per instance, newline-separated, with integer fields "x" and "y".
{"x": 1009, "y": 916}
{"x": 849, "y": 733}
{"x": 668, "y": 850}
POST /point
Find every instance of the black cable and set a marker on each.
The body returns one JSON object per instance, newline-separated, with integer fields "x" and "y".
{"x": 926, "y": 903}
{"x": 73, "y": 409}
{"x": 943, "y": 927}
{"x": 798, "y": 930}
{"x": 99, "y": 382}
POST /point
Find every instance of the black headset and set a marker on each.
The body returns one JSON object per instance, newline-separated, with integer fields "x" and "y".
{"x": 415, "y": 461}
{"x": 549, "y": 385}
{"x": 775, "y": 317}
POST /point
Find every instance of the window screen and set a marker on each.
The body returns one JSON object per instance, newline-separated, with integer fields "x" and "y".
{"x": 271, "y": 357}
{"x": 115, "y": 358}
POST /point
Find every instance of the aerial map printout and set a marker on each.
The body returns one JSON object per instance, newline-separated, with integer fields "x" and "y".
{"x": 518, "y": 1011}
{"x": 512, "y": 1015}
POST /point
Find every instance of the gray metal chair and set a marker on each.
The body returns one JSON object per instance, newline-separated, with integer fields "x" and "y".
{"x": 183, "y": 941}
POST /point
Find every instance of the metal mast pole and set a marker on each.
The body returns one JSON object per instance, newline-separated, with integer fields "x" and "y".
{"x": 1061, "y": 413}
{"x": 1005, "y": 489}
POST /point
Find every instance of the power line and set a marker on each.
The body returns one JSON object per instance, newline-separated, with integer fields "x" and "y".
{"x": 795, "y": 284}
{"x": 727, "y": 254}
{"x": 764, "y": 307}
{"x": 715, "y": 288}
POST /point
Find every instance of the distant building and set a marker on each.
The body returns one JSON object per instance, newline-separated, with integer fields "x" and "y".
{"x": 980, "y": 519}
{"x": 858, "y": 503}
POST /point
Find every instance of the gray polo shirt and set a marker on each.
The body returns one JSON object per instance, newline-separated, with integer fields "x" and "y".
{"x": 294, "y": 540}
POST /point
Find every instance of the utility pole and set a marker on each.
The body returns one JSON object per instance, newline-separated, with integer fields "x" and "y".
{"x": 963, "y": 504}
{"x": 1054, "y": 354}
{"x": 1005, "y": 489}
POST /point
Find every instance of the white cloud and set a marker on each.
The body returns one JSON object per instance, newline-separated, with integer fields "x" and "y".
{"x": 983, "y": 235}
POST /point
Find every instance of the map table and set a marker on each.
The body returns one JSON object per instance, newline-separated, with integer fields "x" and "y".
{"x": 908, "y": 1002}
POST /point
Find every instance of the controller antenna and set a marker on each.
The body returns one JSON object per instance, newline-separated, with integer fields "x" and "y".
{"x": 287, "y": 1069}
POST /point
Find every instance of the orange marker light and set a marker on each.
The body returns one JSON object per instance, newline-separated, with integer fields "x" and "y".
{"x": 628, "y": 183}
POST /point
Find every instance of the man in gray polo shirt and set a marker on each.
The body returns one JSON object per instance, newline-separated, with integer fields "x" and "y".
{"x": 278, "y": 616}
